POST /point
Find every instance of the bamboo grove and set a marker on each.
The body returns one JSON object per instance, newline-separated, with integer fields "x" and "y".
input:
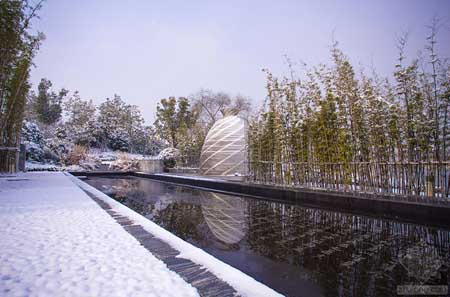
{"x": 17, "y": 49}
{"x": 336, "y": 129}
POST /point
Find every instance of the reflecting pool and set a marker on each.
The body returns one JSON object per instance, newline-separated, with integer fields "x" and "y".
{"x": 295, "y": 250}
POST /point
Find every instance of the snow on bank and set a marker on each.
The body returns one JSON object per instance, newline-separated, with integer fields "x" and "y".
{"x": 95, "y": 160}
{"x": 109, "y": 156}
{"x": 244, "y": 284}
{"x": 56, "y": 241}
{"x": 34, "y": 166}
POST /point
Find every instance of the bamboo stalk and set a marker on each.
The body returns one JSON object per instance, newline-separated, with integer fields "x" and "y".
{"x": 412, "y": 179}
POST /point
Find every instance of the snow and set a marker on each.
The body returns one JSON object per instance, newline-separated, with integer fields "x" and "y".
{"x": 115, "y": 160}
{"x": 56, "y": 241}
{"x": 169, "y": 153}
{"x": 108, "y": 156}
{"x": 33, "y": 166}
{"x": 242, "y": 283}
{"x": 120, "y": 161}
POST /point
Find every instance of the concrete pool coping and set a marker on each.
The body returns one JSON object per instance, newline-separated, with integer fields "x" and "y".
{"x": 437, "y": 215}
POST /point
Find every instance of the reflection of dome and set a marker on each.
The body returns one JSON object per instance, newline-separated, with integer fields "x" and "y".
{"x": 225, "y": 216}
{"x": 223, "y": 151}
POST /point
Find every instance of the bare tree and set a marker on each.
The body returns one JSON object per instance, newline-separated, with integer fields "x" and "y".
{"x": 211, "y": 105}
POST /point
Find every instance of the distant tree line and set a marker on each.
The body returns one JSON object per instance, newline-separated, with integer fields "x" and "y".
{"x": 56, "y": 122}
{"x": 65, "y": 121}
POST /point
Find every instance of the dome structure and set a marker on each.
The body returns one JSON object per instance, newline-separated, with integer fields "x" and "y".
{"x": 223, "y": 151}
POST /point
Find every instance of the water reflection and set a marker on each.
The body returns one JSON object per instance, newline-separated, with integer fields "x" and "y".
{"x": 295, "y": 250}
{"x": 225, "y": 216}
{"x": 348, "y": 255}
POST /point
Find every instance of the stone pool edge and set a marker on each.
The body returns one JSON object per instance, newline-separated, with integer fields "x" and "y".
{"x": 243, "y": 284}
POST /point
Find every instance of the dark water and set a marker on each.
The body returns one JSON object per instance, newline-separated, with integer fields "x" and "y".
{"x": 295, "y": 250}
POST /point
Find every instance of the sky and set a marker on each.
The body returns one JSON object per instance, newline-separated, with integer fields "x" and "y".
{"x": 148, "y": 50}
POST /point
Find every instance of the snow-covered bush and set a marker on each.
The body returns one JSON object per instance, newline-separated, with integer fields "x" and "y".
{"x": 169, "y": 153}
{"x": 61, "y": 133}
{"x": 33, "y": 138}
{"x": 32, "y": 133}
{"x": 88, "y": 163}
{"x": 169, "y": 157}
{"x": 50, "y": 156}
{"x": 76, "y": 155}
{"x": 60, "y": 149}
{"x": 38, "y": 148}
{"x": 34, "y": 152}
{"x": 125, "y": 163}
{"x": 107, "y": 156}
{"x": 78, "y": 159}
{"x": 60, "y": 144}
{"x": 119, "y": 141}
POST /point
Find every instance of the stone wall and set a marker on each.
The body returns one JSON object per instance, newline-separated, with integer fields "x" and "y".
{"x": 151, "y": 166}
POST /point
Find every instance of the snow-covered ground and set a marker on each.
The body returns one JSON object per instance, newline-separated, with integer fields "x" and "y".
{"x": 56, "y": 241}
{"x": 35, "y": 166}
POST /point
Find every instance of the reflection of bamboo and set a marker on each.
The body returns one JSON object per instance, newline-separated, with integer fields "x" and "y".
{"x": 225, "y": 216}
{"x": 315, "y": 238}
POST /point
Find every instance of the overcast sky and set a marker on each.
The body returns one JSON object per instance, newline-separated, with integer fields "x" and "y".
{"x": 147, "y": 50}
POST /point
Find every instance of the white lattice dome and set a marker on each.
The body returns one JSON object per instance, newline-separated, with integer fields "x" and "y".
{"x": 223, "y": 151}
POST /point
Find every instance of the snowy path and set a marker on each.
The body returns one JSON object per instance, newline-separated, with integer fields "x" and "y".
{"x": 56, "y": 241}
